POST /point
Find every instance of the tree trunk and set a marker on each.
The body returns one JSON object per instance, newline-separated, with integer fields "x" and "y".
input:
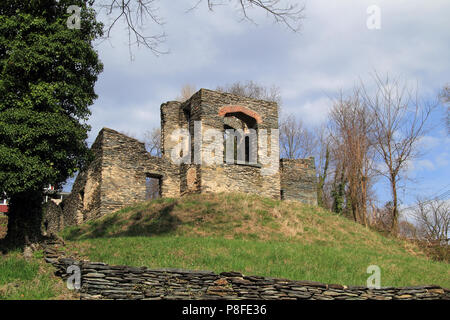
{"x": 364, "y": 200}
{"x": 394, "y": 228}
{"x": 321, "y": 183}
{"x": 25, "y": 219}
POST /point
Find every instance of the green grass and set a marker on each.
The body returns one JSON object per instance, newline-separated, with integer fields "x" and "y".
{"x": 253, "y": 235}
{"x": 292, "y": 260}
{"x": 32, "y": 279}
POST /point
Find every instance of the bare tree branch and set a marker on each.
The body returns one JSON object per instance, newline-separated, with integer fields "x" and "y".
{"x": 251, "y": 89}
{"x": 142, "y": 15}
{"x": 152, "y": 140}
{"x": 296, "y": 141}
{"x": 433, "y": 218}
{"x": 400, "y": 119}
{"x": 186, "y": 92}
{"x": 135, "y": 14}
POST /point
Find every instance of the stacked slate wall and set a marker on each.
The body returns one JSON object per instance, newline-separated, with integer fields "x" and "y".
{"x": 102, "y": 281}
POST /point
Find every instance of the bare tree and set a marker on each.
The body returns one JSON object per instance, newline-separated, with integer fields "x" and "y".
{"x": 433, "y": 219}
{"x": 140, "y": 14}
{"x": 383, "y": 216}
{"x": 186, "y": 92}
{"x": 251, "y": 89}
{"x": 399, "y": 123}
{"x": 322, "y": 157}
{"x": 407, "y": 229}
{"x": 351, "y": 133}
{"x": 296, "y": 141}
{"x": 152, "y": 140}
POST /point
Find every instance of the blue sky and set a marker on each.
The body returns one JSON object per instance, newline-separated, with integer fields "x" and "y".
{"x": 332, "y": 52}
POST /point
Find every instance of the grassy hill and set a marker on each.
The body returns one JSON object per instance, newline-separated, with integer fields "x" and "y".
{"x": 254, "y": 235}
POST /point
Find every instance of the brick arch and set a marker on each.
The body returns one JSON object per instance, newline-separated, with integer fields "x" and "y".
{"x": 234, "y": 108}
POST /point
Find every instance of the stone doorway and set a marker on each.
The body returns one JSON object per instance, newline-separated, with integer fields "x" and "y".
{"x": 153, "y": 184}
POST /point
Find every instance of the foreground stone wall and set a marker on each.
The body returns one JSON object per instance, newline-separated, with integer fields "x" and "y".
{"x": 102, "y": 281}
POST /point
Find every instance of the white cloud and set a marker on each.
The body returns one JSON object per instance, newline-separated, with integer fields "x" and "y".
{"x": 312, "y": 112}
{"x": 442, "y": 160}
{"x": 425, "y": 164}
{"x": 429, "y": 142}
{"x": 332, "y": 51}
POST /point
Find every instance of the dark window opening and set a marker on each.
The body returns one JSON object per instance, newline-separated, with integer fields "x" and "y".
{"x": 245, "y": 123}
{"x": 247, "y": 149}
{"x": 187, "y": 115}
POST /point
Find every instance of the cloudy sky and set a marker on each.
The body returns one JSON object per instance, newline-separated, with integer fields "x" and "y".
{"x": 333, "y": 50}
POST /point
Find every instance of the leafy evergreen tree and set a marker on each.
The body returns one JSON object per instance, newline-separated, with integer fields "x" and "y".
{"x": 47, "y": 77}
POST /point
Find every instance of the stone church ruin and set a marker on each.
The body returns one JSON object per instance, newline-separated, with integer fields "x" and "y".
{"x": 118, "y": 176}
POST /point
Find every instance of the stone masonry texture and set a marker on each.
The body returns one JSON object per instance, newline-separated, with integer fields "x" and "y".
{"x": 117, "y": 175}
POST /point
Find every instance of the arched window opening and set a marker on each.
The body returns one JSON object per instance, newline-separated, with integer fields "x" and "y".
{"x": 243, "y": 129}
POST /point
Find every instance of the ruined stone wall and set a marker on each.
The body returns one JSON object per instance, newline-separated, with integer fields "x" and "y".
{"x": 125, "y": 166}
{"x": 85, "y": 199}
{"x": 170, "y": 121}
{"x": 123, "y": 171}
{"x": 190, "y": 179}
{"x": 298, "y": 180}
{"x": 190, "y": 173}
{"x": 52, "y": 218}
{"x": 116, "y": 178}
{"x": 212, "y": 106}
{"x": 239, "y": 178}
{"x": 168, "y": 172}
{"x": 102, "y": 281}
{"x": 207, "y": 107}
